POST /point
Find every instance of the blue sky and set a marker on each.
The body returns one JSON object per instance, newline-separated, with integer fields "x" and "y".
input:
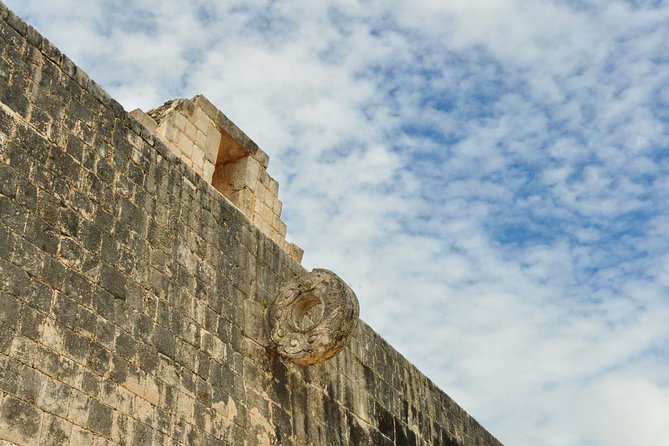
{"x": 490, "y": 176}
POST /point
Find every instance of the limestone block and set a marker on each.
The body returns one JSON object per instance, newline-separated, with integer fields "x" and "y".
{"x": 207, "y": 107}
{"x": 19, "y": 422}
{"x": 201, "y": 120}
{"x": 295, "y": 251}
{"x": 54, "y": 397}
{"x": 143, "y": 410}
{"x": 269, "y": 202}
{"x": 208, "y": 171}
{"x": 258, "y": 208}
{"x": 99, "y": 418}
{"x": 78, "y": 408}
{"x": 273, "y": 186}
{"x": 264, "y": 178}
{"x": 185, "y": 146}
{"x": 185, "y": 404}
{"x": 260, "y": 196}
{"x": 243, "y": 173}
{"x": 52, "y": 336}
{"x": 200, "y": 139}
{"x": 170, "y": 130}
{"x": 190, "y": 130}
{"x": 267, "y": 214}
{"x": 174, "y": 148}
{"x": 144, "y": 119}
{"x": 272, "y": 232}
{"x": 277, "y": 207}
{"x": 180, "y": 121}
{"x": 212, "y": 143}
{"x": 262, "y": 158}
{"x": 280, "y": 227}
{"x": 198, "y": 158}
{"x": 268, "y": 197}
{"x": 244, "y": 200}
{"x": 273, "y": 235}
{"x": 81, "y": 437}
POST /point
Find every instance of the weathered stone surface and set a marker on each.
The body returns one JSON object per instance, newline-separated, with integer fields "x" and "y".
{"x": 99, "y": 418}
{"x": 313, "y": 317}
{"x": 19, "y": 422}
{"x": 224, "y": 156}
{"x": 132, "y": 294}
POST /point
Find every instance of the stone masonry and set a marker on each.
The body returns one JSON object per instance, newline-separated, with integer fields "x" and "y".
{"x": 133, "y": 292}
{"x": 217, "y": 150}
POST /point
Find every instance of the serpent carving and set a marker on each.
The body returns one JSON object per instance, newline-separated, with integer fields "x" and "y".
{"x": 313, "y": 317}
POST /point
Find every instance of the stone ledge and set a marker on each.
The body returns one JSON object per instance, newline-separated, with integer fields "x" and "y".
{"x": 224, "y": 156}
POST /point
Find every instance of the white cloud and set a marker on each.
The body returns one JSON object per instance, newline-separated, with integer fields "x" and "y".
{"x": 489, "y": 176}
{"x": 624, "y": 411}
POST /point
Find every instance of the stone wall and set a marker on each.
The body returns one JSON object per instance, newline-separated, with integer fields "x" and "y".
{"x": 132, "y": 294}
{"x": 223, "y": 155}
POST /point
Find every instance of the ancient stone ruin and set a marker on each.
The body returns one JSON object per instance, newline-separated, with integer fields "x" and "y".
{"x": 312, "y": 318}
{"x": 220, "y": 153}
{"x": 148, "y": 295}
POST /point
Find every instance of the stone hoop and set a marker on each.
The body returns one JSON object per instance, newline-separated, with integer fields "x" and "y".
{"x": 313, "y": 317}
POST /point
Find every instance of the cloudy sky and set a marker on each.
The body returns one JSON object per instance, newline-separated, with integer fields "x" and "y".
{"x": 490, "y": 176}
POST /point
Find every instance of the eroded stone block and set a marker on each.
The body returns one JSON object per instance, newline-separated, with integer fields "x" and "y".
{"x": 312, "y": 318}
{"x": 19, "y": 422}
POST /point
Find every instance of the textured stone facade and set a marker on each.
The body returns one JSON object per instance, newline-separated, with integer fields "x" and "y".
{"x": 133, "y": 294}
{"x": 223, "y": 155}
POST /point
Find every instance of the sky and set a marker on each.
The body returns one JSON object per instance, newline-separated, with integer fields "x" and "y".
{"x": 489, "y": 176}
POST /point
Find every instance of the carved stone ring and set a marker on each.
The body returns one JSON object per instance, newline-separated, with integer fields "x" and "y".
{"x": 313, "y": 317}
